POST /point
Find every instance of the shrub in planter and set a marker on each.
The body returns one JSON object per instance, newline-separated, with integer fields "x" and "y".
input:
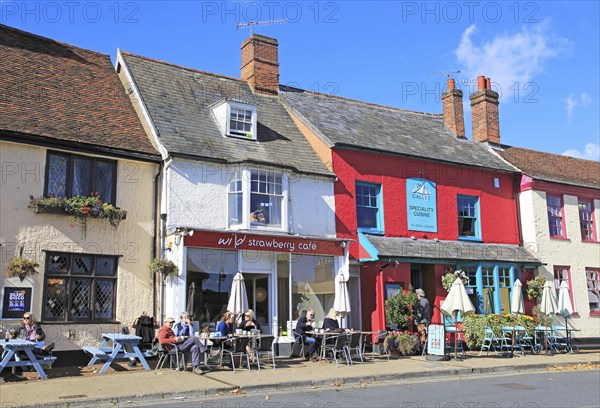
{"x": 403, "y": 343}
{"x": 399, "y": 309}
{"x": 473, "y": 326}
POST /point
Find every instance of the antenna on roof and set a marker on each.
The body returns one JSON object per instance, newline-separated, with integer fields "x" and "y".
{"x": 251, "y": 24}
{"x": 447, "y": 73}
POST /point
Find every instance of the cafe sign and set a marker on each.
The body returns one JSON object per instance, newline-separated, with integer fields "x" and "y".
{"x": 421, "y": 205}
{"x": 272, "y": 243}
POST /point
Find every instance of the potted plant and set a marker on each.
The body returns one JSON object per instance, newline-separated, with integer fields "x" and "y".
{"x": 21, "y": 267}
{"x": 165, "y": 267}
{"x": 535, "y": 287}
{"x": 402, "y": 343}
{"x": 399, "y": 309}
{"x": 449, "y": 278}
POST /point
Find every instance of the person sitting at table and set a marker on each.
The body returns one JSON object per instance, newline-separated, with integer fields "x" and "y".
{"x": 249, "y": 322}
{"x": 184, "y": 327}
{"x": 226, "y": 326}
{"x": 304, "y": 325}
{"x": 330, "y": 322}
{"x": 31, "y": 330}
{"x": 192, "y": 344}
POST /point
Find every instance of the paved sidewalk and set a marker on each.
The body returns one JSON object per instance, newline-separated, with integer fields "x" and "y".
{"x": 130, "y": 387}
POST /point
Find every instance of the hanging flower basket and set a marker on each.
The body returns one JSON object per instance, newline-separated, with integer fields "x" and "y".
{"x": 535, "y": 287}
{"x": 449, "y": 278}
{"x": 79, "y": 208}
{"x": 165, "y": 267}
{"x": 21, "y": 267}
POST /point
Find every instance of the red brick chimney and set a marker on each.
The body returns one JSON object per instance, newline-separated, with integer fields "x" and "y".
{"x": 453, "y": 110}
{"x": 484, "y": 112}
{"x": 260, "y": 66}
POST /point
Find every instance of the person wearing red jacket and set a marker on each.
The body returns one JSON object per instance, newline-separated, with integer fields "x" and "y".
{"x": 184, "y": 344}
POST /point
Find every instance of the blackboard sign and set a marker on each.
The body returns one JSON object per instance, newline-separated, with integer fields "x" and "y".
{"x": 16, "y": 302}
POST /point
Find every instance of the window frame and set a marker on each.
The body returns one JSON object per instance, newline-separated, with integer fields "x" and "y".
{"x": 560, "y": 268}
{"x": 475, "y": 272}
{"x": 252, "y": 134}
{"x": 379, "y": 229}
{"x": 593, "y": 234}
{"x": 477, "y": 218}
{"x": 93, "y": 277}
{"x": 71, "y": 157}
{"x": 242, "y": 180}
{"x": 563, "y": 232}
{"x": 588, "y": 279}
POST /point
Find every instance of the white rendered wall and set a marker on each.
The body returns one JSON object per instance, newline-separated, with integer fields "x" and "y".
{"x": 197, "y": 198}
{"x": 571, "y": 252}
{"x": 36, "y": 233}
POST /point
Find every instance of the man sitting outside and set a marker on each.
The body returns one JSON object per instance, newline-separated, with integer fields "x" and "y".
{"x": 192, "y": 344}
{"x": 303, "y": 325}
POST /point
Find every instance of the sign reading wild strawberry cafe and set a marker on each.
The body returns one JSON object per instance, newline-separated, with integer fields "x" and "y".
{"x": 257, "y": 242}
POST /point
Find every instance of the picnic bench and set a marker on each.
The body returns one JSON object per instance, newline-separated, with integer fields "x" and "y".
{"x": 12, "y": 349}
{"x": 119, "y": 350}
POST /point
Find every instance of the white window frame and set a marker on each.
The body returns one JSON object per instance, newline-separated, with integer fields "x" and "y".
{"x": 222, "y": 112}
{"x": 245, "y": 176}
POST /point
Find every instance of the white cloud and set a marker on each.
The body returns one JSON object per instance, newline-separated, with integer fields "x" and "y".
{"x": 591, "y": 151}
{"x": 572, "y": 102}
{"x": 509, "y": 58}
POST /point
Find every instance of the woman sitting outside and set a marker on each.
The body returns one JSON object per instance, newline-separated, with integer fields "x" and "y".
{"x": 226, "y": 326}
{"x": 330, "y": 322}
{"x": 31, "y": 330}
{"x": 249, "y": 323}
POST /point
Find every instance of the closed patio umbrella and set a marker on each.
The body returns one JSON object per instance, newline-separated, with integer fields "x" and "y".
{"x": 341, "y": 302}
{"x": 457, "y": 301}
{"x": 516, "y": 301}
{"x": 565, "y": 307}
{"x": 238, "y": 299}
{"x": 190, "y": 300}
{"x": 548, "y": 306}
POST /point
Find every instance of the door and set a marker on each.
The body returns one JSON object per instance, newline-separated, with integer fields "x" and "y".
{"x": 257, "y": 288}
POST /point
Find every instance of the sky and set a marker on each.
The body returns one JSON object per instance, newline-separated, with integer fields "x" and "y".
{"x": 543, "y": 57}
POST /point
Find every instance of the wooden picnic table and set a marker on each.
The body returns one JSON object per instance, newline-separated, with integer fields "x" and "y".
{"x": 14, "y": 346}
{"x": 120, "y": 343}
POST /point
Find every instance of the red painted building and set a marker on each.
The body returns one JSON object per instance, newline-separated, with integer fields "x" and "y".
{"x": 417, "y": 198}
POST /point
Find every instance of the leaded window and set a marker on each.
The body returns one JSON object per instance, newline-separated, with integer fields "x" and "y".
{"x": 80, "y": 287}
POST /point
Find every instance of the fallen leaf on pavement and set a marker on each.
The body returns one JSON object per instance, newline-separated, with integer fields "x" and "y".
{"x": 336, "y": 384}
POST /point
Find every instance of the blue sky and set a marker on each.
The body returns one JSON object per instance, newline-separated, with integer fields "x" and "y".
{"x": 543, "y": 57}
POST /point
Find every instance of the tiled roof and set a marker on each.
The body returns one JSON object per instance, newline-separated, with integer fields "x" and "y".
{"x": 64, "y": 93}
{"x": 350, "y": 123}
{"x": 553, "y": 167}
{"x": 389, "y": 247}
{"x": 178, "y": 100}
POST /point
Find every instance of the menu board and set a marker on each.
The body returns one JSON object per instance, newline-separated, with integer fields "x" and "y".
{"x": 16, "y": 302}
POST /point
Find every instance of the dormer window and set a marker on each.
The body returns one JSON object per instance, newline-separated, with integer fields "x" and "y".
{"x": 235, "y": 118}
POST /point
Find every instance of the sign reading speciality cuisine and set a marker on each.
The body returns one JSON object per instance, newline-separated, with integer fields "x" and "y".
{"x": 421, "y": 207}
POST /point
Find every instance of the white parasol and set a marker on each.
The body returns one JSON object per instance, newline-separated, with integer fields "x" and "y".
{"x": 238, "y": 300}
{"x": 341, "y": 302}
{"x": 457, "y": 301}
{"x": 548, "y": 306}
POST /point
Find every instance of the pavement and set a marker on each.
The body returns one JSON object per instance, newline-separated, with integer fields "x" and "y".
{"x": 123, "y": 387}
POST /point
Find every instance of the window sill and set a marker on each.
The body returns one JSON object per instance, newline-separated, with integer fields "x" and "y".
{"x": 469, "y": 239}
{"x": 560, "y": 238}
{"x": 595, "y": 313}
{"x": 370, "y": 231}
{"x": 589, "y": 241}
{"x": 42, "y": 209}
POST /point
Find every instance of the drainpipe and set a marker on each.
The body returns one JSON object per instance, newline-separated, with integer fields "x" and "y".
{"x": 516, "y": 186}
{"x": 163, "y": 231}
{"x": 155, "y": 235}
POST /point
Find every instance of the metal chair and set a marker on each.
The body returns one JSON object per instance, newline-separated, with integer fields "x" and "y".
{"x": 338, "y": 346}
{"x": 169, "y": 351}
{"x": 238, "y": 348}
{"x": 379, "y": 349}
{"x": 490, "y": 341}
{"x": 298, "y": 347}
{"x": 265, "y": 348}
{"x": 353, "y": 346}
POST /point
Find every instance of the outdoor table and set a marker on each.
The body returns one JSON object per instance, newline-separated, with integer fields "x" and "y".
{"x": 12, "y": 349}
{"x": 213, "y": 339}
{"x": 323, "y": 335}
{"x": 118, "y": 350}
